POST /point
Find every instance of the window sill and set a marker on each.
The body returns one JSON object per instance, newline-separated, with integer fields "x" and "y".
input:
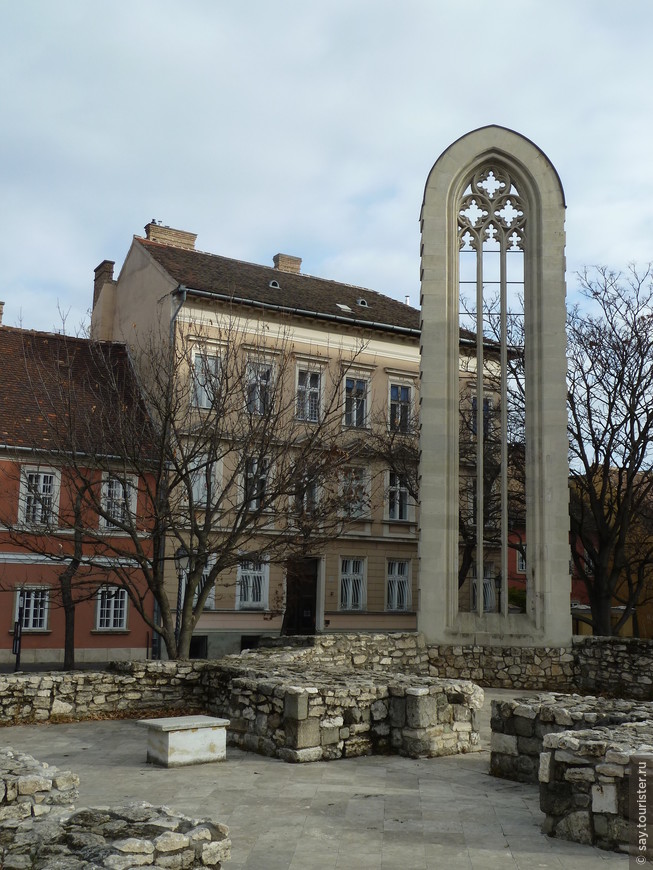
{"x": 37, "y": 528}
{"x": 33, "y": 631}
{"x": 110, "y": 631}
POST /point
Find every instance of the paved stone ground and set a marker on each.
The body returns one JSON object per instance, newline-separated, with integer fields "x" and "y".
{"x": 353, "y": 814}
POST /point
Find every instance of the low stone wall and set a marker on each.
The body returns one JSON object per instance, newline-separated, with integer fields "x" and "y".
{"x": 584, "y": 783}
{"x": 32, "y": 788}
{"x": 127, "y": 688}
{"x": 622, "y": 667}
{"x": 506, "y": 667}
{"x": 606, "y": 665}
{"x": 520, "y": 725}
{"x": 40, "y": 829}
{"x": 619, "y": 666}
{"x": 119, "y": 838}
{"x": 315, "y": 706}
{"x": 311, "y": 715}
{"x": 404, "y": 652}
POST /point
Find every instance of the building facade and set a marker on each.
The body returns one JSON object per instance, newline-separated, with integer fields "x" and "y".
{"x": 349, "y": 360}
{"x": 49, "y": 545}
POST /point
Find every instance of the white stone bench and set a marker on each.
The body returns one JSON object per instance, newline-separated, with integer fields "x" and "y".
{"x": 181, "y": 740}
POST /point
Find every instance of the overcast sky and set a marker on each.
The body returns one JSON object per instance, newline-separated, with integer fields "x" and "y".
{"x": 306, "y": 128}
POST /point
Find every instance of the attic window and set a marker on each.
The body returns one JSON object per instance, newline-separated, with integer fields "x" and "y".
{"x": 362, "y": 302}
{"x": 274, "y": 285}
{"x": 343, "y": 307}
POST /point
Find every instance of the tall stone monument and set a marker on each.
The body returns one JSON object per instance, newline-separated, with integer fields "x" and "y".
{"x": 494, "y": 473}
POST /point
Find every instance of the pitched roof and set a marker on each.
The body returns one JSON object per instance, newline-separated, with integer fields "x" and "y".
{"x": 297, "y": 293}
{"x": 57, "y": 392}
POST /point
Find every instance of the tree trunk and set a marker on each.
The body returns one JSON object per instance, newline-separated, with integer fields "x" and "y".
{"x": 602, "y": 616}
{"x": 69, "y": 620}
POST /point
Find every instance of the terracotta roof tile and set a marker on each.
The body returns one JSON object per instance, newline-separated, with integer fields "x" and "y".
{"x": 52, "y": 386}
{"x": 297, "y": 292}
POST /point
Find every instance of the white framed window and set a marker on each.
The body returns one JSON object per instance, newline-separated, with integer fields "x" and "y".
{"x": 352, "y": 583}
{"x": 356, "y": 401}
{"x": 259, "y": 387}
{"x": 252, "y": 583}
{"x": 521, "y": 562}
{"x": 36, "y": 607}
{"x": 309, "y": 394}
{"x": 356, "y": 491}
{"x": 39, "y": 496}
{"x": 118, "y": 500}
{"x": 400, "y": 407}
{"x": 111, "y": 613}
{"x": 206, "y": 378}
{"x": 255, "y": 482}
{"x": 399, "y": 507}
{"x": 203, "y": 474}
{"x": 305, "y": 498}
{"x": 209, "y": 604}
{"x": 398, "y": 585}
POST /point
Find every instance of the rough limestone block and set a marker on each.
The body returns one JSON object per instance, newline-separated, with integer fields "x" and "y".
{"x": 604, "y": 798}
{"x": 329, "y": 735}
{"x": 544, "y": 773}
{"x": 397, "y": 712}
{"x": 506, "y": 744}
{"x": 295, "y": 705}
{"x": 421, "y": 710}
{"x": 301, "y": 755}
{"x": 303, "y": 734}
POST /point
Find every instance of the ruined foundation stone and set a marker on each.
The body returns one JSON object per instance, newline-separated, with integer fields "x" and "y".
{"x": 519, "y": 726}
{"x": 584, "y": 783}
{"x": 41, "y": 830}
{"x": 606, "y": 665}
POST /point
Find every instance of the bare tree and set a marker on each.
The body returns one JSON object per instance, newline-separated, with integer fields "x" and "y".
{"x": 220, "y": 455}
{"x": 610, "y": 385}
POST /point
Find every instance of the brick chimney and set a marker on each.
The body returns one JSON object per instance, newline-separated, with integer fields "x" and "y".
{"x": 103, "y": 275}
{"x": 169, "y": 236}
{"x": 2, "y": 308}
{"x": 287, "y": 263}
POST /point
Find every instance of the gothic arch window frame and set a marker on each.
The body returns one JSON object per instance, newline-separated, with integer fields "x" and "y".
{"x": 541, "y": 191}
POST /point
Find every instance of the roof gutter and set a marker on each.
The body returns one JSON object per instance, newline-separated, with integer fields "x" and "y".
{"x": 337, "y": 318}
{"x": 17, "y": 448}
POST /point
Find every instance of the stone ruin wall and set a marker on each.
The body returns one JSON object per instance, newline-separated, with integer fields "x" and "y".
{"x": 40, "y": 828}
{"x": 307, "y": 715}
{"x": 586, "y": 779}
{"x": 603, "y": 665}
{"x": 619, "y": 666}
{"x": 520, "y": 726}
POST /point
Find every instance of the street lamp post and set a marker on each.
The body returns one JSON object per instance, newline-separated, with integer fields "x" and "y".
{"x": 182, "y": 560}
{"x": 18, "y": 629}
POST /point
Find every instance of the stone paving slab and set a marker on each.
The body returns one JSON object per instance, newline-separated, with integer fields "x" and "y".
{"x": 379, "y": 812}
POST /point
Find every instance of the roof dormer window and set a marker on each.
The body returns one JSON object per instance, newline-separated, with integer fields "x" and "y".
{"x": 343, "y": 307}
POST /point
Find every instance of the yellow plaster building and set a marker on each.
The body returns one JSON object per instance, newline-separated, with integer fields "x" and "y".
{"x": 363, "y": 343}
